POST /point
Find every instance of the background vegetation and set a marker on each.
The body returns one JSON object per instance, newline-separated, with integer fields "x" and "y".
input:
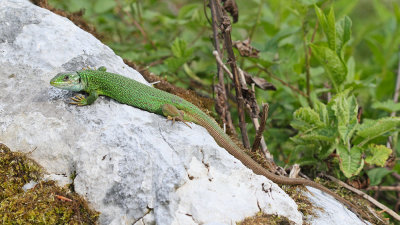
{"x": 173, "y": 39}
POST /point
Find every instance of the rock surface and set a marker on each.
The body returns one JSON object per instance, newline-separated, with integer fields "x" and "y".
{"x": 132, "y": 166}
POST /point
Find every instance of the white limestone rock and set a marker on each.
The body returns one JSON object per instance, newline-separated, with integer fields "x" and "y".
{"x": 132, "y": 166}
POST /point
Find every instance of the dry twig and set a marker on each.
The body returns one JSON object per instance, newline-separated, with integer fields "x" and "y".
{"x": 384, "y": 188}
{"x": 225, "y": 28}
{"x": 369, "y": 198}
{"x": 221, "y": 106}
{"x": 260, "y": 131}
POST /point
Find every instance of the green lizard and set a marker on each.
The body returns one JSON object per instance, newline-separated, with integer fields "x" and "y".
{"x": 130, "y": 92}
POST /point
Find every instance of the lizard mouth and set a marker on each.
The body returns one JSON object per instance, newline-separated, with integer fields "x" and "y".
{"x": 53, "y": 82}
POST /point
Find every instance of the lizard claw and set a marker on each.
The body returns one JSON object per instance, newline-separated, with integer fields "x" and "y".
{"x": 78, "y": 100}
{"x": 186, "y": 124}
{"x": 173, "y": 118}
{"x": 172, "y": 113}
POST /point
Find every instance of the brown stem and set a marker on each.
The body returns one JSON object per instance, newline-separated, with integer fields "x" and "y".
{"x": 383, "y": 188}
{"x": 396, "y": 175}
{"x": 221, "y": 105}
{"x": 224, "y": 25}
{"x": 307, "y": 61}
{"x": 369, "y": 198}
{"x": 260, "y": 131}
{"x": 226, "y": 32}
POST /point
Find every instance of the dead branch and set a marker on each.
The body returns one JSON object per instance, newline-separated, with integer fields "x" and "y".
{"x": 369, "y": 198}
{"x": 260, "y": 131}
{"x": 221, "y": 106}
{"x": 383, "y": 188}
{"x": 220, "y": 16}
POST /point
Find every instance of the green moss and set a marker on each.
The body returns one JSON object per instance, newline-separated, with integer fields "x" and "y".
{"x": 39, "y": 205}
{"x": 263, "y": 219}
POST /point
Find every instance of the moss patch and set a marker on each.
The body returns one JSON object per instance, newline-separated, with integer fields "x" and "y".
{"x": 304, "y": 205}
{"x": 38, "y": 205}
{"x": 263, "y": 219}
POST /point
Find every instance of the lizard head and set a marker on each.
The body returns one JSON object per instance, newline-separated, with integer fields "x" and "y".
{"x": 68, "y": 80}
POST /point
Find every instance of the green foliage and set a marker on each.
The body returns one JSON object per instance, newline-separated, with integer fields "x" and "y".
{"x": 376, "y": 175}
{"x": 181, "y": 55}
{"x": 377, "y": 154}
{"x": 372, "y": 129}
{"x": 339, "y": 130}
{"x": 330, "y": 54}
{"x": 332, "y": 63}
{"x": 388, "y": 106}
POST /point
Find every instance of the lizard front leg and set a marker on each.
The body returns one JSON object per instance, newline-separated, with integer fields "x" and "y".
{"x": 172, "y": 113}
{"x": 81, "y": 100}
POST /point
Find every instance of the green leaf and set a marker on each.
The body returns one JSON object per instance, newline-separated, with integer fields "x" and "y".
{"x": 322, "y": 134}
{"x": 332, "y": 64}
{"x": 396, "y": 9}
{"x": 389, "y": 106}
{"x": 321, "y": 19}
{"x": 328, "y": 26}
{"x": 306, "y": 118}
{"x": 377, "y": 154}
{"x": 174, "y": 63}
{"x": 377, "y": 174}
{"x": 371, "y": 129}
{"x": 351, "y": 161}
{"x": 179, "y": 49}
{"x": 307, "y": 161}
{"x": 346, "y": 110}
{"x": 321, "y": 109}
{"x": 351, "y": 70}
{"x": 188, "y": 10}
{"x": 327, "y": 152}
{"x": 272, "y": 44}
{"x": 376, "y": 49}
{"x": 343, "y": 33}
{"x": 331, "y": 32}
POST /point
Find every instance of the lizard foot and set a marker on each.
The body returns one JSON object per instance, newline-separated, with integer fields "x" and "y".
{"x": 173, "y": 118}
{"x": 78, "y": 100}
{"x": 172, "y": 113}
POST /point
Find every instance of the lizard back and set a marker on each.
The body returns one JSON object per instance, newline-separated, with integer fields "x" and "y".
{"x": 128, "y": 91}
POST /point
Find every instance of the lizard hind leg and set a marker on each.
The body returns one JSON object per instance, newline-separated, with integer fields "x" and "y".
{"x": 172, "y": 113}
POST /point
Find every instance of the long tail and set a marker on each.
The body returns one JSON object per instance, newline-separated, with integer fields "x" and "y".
{"x": 224, "y": 140}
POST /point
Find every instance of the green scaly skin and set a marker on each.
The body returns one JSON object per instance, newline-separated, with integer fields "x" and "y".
{"x": 133, "y": 93}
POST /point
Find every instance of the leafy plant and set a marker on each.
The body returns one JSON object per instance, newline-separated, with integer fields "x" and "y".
{"x": 335, "y": 127}
{"x": 330, "y": 54}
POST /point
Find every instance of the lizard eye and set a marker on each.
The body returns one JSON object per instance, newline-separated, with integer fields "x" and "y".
{"x": 66, "y": 77}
